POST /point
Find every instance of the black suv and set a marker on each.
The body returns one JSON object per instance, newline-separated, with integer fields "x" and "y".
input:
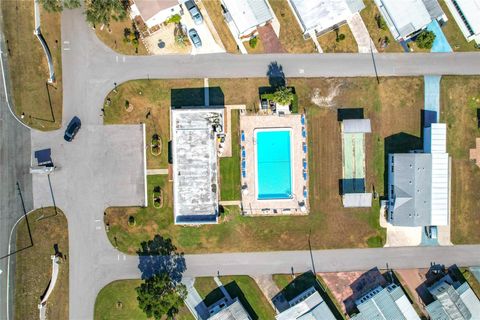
{"x": 72, "y": 129}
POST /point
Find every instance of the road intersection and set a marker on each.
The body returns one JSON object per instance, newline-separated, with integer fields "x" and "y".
{"x": 106, "y": 156}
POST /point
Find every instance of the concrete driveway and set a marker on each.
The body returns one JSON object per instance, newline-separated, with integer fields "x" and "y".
{"x": 209, "y": 45}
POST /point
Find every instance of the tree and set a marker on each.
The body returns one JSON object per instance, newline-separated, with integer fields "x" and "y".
{"x": 283, "y": 96}
{"x": 57, "y": 6}
{"x": 160, "y": 296}
{"x": 52, "y": 5}
{"x": 102, "y": 11}
{"x": 425, "y": 39}
{"x": 72, "y": 4}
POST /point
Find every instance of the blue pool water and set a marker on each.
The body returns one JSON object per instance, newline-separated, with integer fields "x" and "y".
{"x": 440, "y": 44}
{"x": 274, "y": 176}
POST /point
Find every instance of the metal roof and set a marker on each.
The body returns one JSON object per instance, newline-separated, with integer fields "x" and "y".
{"x": 323, "y": 14}
{"x": 404, "y": 17}
{"x": 311, "y": 308}
{"x": 453, "y": 300}
{"x": 235, "y": 311}
{"x": 421, "y": 182}
{"x": 247, "y": 14}
{"x": 387, "y": 303}
{"x": 356, "y": 126}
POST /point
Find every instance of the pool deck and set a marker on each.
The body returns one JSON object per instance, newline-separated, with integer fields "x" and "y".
{"x": 250, "y": 204}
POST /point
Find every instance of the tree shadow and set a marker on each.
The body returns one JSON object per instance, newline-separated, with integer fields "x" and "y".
{"x": 235, "y": 292}
{"x": 276, "y": 77}
{"x": 399, "y": 143}
{"x": 160, "y": 256}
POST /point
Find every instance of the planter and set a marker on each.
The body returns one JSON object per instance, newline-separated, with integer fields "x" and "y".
{"x": 157, "y": 197}
{"x": 156, "y": 146}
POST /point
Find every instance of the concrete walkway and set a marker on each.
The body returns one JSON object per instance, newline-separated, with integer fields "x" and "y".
{"x": 267, "y": 286}
{"x": 193, "y": 301}
{"x": 361, "y": 35}
{"x": 151, "y": 172}
{"x": 313, "y": 36}
{"x": 230, "y": 203}
{"x": 227, "y": 150}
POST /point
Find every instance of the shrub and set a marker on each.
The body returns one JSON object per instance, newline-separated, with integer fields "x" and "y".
{"x": 380, "y": 22}
{"x": 283, "y": 96}
{"x": 425, "y": 39}
{"x": 341, "y": 37}
{"x": 131, "y": 221}
{"x": 253, "y": 42}
{"x": 174, "y": 19}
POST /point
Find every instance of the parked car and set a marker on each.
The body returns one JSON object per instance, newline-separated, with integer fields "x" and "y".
{"x": 72, "y": 129}
{"x": 192, "y": 33}
{"x": 194, "y": 12}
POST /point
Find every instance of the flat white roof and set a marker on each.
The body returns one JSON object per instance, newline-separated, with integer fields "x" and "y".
{"x": 357, "y": 126}
{"x": 404, "y": 16}
{"x": 248, "y": 14}
{"x": 195, "y": 174}
{"x": 323, "y": 14}
{"x": 471, "y": 11}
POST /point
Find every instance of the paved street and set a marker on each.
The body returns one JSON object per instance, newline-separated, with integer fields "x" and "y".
{"x": 14, "y": 166}
{"x": 104, "y": 165}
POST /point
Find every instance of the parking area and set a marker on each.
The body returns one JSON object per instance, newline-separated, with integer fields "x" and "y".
{"x": 103, "y": 166}
{"x": 210, "y": 41}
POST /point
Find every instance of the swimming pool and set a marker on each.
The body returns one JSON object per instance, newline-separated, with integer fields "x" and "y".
{"x": 274, "y": 169}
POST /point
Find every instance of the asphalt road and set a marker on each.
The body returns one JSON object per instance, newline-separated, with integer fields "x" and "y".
{"x": 90, "y": 71}
{"x": 14, "y": 166}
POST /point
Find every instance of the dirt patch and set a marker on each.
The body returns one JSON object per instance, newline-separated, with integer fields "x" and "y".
{"x": 346, "y": 287}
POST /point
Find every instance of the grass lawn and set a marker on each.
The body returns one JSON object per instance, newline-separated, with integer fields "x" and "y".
{"x": 453, "y": 34}
{"x": 368, "y": 15}
{"x": 393, "y": 107}
{"x": 40, "y": 103}
{"x": 460, "y": 100}
{"x": 34, "y": 266}
{"x": 329, "y": 44}
{"x": 247, "y": 291}
{"x": 291, "y": 287}
{"x": 291, "y": 36}
{"x": 113, "y": 38}
{"x": 152, "y": 98}
{"x": 214, "y": 10}
{"x": 118, "y": 300}
{"x": 230, "y": 167}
